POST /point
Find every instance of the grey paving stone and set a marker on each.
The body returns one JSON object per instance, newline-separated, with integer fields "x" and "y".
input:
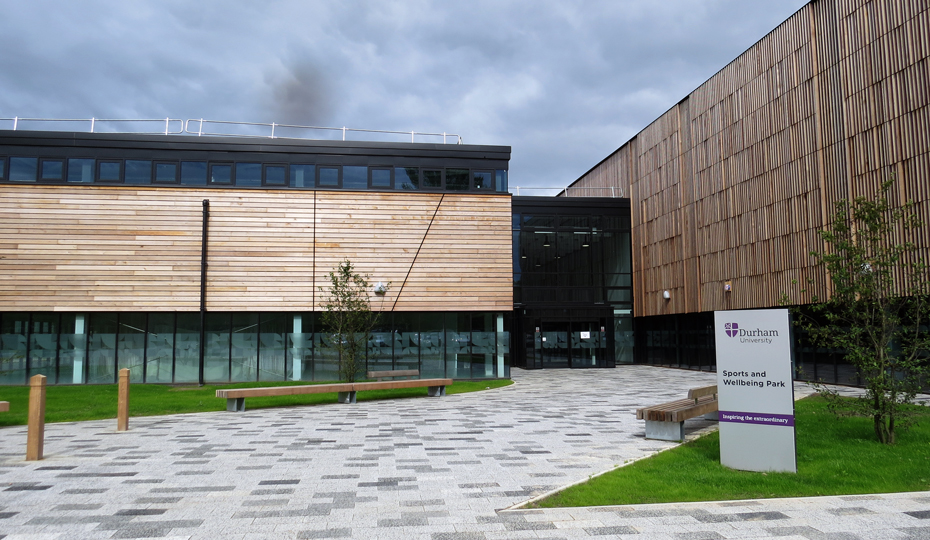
{"x": 610, "y": 531}
{"x": 325, "y": 533}
{"x": 700, "y": 535}
{"x": 920, "y": 514}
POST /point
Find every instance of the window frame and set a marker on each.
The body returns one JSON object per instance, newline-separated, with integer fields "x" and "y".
{"x": 261, "y": 174}
{"x": 287, "y": 176}
{"x": 101, "y": 162}
{"x": 388, "y": 168}
{"x": 42, "y": 162}
{"x": 491, "y": 180}
{"x": 442, "y": 179}
{"x": 151, "y": 172}
{"x": 232, "y": 172}
{"x": 177, "y": 172}
{"x": 319, "y": 169}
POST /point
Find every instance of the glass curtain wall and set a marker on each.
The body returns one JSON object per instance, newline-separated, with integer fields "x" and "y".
{"x": 74, "y": 348}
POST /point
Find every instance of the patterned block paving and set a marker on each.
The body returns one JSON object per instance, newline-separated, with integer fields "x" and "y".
{"x": 425, "y": 468}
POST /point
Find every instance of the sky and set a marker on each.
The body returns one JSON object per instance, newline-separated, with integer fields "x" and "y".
{"x": 563, "y": 82}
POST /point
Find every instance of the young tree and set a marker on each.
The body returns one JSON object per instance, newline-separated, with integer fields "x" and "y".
{"x": 348, "y": 317}
{"x": 877, "y": 313}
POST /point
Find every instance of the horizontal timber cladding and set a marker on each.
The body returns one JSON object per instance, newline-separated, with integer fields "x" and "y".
{"x": 733, "y": 182}
{"x": 90, "y": 248}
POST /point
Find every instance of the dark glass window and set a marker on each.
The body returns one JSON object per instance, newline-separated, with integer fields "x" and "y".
{"x": 138, "y": 171}
{"x": 194, "y": 173}
{"x": 166, "y": 172}
{"x": 249, "y": 174}
{"x": 302, "y": 176}
{"x": 23, "y": 169}
{"x": 275, "y": 175}
{"x": 381, "y": 178}
{"x": 354, "y": 177}
{"x": 329, "y": 177}
{"x": 432, "y": 179}
{"x": 2, "y": 168}
{"x": 407, "y": 177}
{"x": 457, "y": 179}
{"x": 80, "y": 170}
{"x": 501, "y": 180}
{"x": 220, "y": 173}
{"x": 484, "y": 180}
{"x": 52, "y": 169}
{"x": 109, "y": 171}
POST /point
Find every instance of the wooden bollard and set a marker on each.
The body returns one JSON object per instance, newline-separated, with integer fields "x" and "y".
{"x": 35, "y": 438}
{"x": 122, "y": 405}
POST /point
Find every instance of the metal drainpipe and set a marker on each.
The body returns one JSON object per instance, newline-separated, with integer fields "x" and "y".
{"x": 203, "y": 286}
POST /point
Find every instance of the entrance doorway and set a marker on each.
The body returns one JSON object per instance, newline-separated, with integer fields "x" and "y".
{"x": 571, "y": 344}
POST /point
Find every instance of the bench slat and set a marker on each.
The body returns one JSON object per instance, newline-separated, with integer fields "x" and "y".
{"x": 679, "y": 410}
{"x": 284, "y": 390}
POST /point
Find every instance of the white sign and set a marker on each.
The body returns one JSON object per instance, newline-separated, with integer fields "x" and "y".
{"x": 755, "y": 390}
{"x": 585, "y": 335}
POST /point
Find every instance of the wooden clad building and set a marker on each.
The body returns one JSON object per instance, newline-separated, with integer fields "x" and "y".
{"x": 206, "y": 258}
{"x": 731, "y": 184}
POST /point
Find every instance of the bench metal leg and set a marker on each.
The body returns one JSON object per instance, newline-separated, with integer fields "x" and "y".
{"x": 436, "y": 391}
{"x": 235, "y": 404}
{"x": 347, "y": 397}
{"x": 665, "y": 431}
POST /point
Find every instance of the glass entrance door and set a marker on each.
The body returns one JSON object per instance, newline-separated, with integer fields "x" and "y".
{"x": 587, "y": 345}
{"x": 554, "y": 345}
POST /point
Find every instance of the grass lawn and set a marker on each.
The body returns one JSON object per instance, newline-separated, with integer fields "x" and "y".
{"x": 95, "y": 402}
{"x": 836, "y": 456}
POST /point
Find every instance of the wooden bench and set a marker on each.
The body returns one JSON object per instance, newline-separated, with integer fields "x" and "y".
{"x": 667, "y": 420}
{"x": 4, "y": 406}
{"x": 235, "y": 397}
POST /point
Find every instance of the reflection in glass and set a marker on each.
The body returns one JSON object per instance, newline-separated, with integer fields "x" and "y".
{"x": 457, "y": 179}
{"x": 13, "y": 327}
{"x": 432, "y": 179}
{"x": 220, "y": 174}
{"x": 407, "y": 177}
{"x": 216, "y": 348}
{"x": 23, "y": 169}
{"x": 43, "y": 345}
{"x": 501, "y": 180}
{"x": 381, "y": 178}
{"x": 271, "y": 352}
{"x": 302, "y": 176}
{"x": 102, "y": 348}
{"x": 354, "y": 177}
{"x": 52, "y": 169}
{"x": 275, "y": 175}
{"x": 130, "y": 344}
{"x": 249, "y": 174}
{"x": 72, "y": 343}
{"x": 194, "y": 173}
{"x": 187, "y": 348}
{"x": 138, "y": 171}
{"x": 166, "y": 172}
{"x": 109, "y": 171}
{"x": 159, "y": 348}
{"x": 329, "y": 177}
{"x": 484, "y": 180}
{"x": 81, "y": 170}
{"x": 244, "y": 347}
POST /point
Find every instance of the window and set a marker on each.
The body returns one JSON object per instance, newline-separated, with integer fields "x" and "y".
{"x": 249, "y": 174}
{"x": 109, "y": 171}
{"x": 432, "y": 179}
{"x": 407, "y": 177}
{"x": 354, "y": 177}
{"x": 166, "y": 173}
{"x": 457, "y": 179}
{"x": 81, "y": 170}
{"x": 138, "y": 171}
{"x": 381, "y": 178}
{"x": 302, "y": 176}
{"x": 194, "y": 173}
{"x": 484, "y": 179}
{"x": 329, "y": 177}
{"x": 221, "y": 173}
{"x": 52, "y": 169}
{"x": 501, "y": 180}
{"x": 23, "y": 169}
{"x": 2, "y": 168}
{"x": 275, "y": 175}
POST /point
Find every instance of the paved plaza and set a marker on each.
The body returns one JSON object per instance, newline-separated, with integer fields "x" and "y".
{"x": 421, "y": 468}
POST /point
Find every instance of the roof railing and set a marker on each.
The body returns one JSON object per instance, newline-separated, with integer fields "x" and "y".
{"x": 609, "y": 191}
{"x": 176, "y": 126}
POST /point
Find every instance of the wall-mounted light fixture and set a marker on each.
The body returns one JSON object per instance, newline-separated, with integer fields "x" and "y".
{"x": 380, "y": 288}
{"x": 667, "y": 295}
{"x": 546, "y": 241}
{"x": 727, "y": 286}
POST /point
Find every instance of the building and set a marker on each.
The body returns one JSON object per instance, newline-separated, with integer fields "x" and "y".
{"x": 729, "y": 187}
{"x": 191, "y": 259}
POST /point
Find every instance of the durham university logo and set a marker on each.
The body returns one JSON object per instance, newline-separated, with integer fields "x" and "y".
{"x": 731, "y": 328}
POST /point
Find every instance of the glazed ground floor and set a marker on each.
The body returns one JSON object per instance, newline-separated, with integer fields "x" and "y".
{"x": 182, "y": 347}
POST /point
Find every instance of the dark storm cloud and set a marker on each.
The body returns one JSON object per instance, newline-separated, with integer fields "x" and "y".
{"x": 565, "y": 83}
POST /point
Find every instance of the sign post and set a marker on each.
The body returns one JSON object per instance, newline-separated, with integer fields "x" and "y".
{"x": 755, "y": 390}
